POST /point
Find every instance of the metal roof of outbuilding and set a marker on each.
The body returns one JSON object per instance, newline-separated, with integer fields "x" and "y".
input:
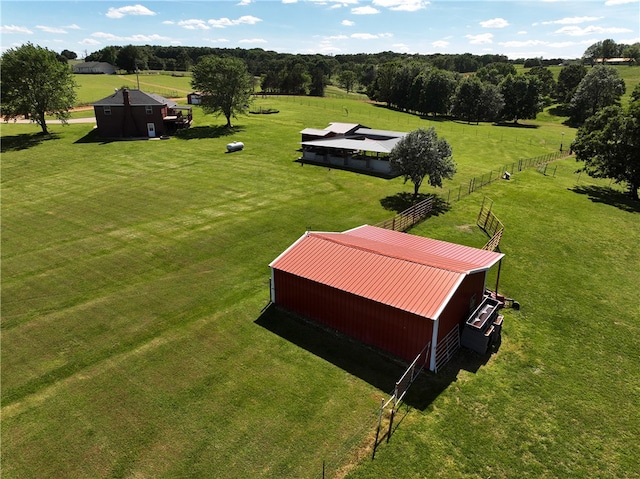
{"x": 352, "y": 144}
{"x": 411, "y": 273}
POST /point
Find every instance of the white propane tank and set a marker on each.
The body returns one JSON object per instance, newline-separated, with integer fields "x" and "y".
{"x": 235, "y": 146}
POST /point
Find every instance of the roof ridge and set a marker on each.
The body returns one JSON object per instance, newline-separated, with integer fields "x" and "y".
{"x": 383, "y": 253}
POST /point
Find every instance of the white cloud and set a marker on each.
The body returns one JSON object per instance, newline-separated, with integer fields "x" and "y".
{"x": 402, "y": 5}
{"x": 225, "y": 22}
{"x": 14, "y": 29}
{"x": 337, "y": 37}
{"x": 242, "y": 3}
{"x": 289, "y": 1}
{"x": 522, "y": 44}
{"x": 110, "y": 37}
{"x": 347, "y": 23}
{"x": 571, "y": 20}
{"x": 481, "y": 39}
{"x": 194, "y": 24}
{"x": 128, "y": 10}
{"x": 368, "y": 10}
{"x": 371, "y": 36}
{"x": 50, "y": 29}
{"x": 89, "y": 42}
{"x": 253, "y": 40}
{"x": 494, "y": 23}
{"x": 590, "y": 30}
{"x": 612, "y": 3}
{"x": 440, "y": 44}
{"x": 73, "y": 26}
{"x": 401, "y": 47}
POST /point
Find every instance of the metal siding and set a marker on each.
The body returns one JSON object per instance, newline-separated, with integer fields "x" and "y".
{"x": 398, "y": 332}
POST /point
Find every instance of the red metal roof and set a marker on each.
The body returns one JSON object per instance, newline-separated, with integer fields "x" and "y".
{"x": 408, "y": 272}
{"x": 442, "y": 253}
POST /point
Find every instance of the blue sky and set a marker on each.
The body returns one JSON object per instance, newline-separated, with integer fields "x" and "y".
{"x": 516, "y": 28}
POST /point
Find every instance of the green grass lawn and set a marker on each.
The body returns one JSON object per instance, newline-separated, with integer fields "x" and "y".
{"x": 134, "y": 341}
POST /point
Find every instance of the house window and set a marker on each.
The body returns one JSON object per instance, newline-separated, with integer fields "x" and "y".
{"x": 106, "y": 110}
{"x": 149, "y": 109}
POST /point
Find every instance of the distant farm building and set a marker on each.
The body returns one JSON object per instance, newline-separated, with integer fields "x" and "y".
{"x": 136, "y": 114}
{"x": 350, "y": 146}
{"x": 614, "y": 61}
{"x": 94, "y": 68}
{"x": 394, "y": 291}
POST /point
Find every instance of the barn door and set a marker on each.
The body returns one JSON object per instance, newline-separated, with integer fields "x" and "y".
{"x": 151, "y": 130}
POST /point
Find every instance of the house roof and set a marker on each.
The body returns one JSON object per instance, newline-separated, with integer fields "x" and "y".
{"x": 408, "y": 272}
{"x": 136, "y": 98}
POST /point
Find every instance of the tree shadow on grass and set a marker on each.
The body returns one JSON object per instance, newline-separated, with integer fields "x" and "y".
{"x": 367, "y": 363}
{"x": 609, "y": 196}
{"x": 202, "y": 132}
{"x": 510, "y": 124}
{"x": 404, "y": 200}
{"x": 25, "y": 141}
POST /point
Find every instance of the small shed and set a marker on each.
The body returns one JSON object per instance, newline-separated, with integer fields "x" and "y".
{"x": 394, "y": 291}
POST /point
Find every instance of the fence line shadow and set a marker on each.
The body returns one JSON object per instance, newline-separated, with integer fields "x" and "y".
{"x": 367, "y": 363}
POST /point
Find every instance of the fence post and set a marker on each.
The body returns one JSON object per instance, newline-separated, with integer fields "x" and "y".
{"x": 393, "y": 413}
{"x": 375, "y": 444}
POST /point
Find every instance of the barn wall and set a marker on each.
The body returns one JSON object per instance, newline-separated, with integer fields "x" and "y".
{"x": 398, "y": 332}
{"x": 461, "y": 305}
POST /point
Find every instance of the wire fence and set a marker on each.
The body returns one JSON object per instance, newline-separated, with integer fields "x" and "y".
{"x": 505, "y": 172}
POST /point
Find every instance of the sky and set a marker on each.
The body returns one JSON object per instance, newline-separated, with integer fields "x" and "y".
{"x": 515, "y": 28}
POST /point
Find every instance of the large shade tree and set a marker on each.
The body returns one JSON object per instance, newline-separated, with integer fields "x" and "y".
{"x": 421, "y": 154}
{"x": 35, "y": 84}
{"x": 600, "y": 87}
{"x": 225, "y": 84}
{"x": 609, "y": 145}
{"x": 522, "y": 98}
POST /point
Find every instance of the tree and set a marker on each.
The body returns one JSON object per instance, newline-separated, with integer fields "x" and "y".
{"x": 568, "y": 80}
{"x": 438, "y": 91}
{"x": 477, "y": 101}
{"x": 608, "y": 143}
{"x": 601, "y": 87}
{"x": 347, "y": 80}
{"x": 132, "y": 58}
{"x": 421, "y": 154}
{"x": 522, "y": 99}
{"x": 36, "y": 84}
{"x": 225, "y": 84}
{"x": 545, "y": 77}
{"x": 69, "y": 55}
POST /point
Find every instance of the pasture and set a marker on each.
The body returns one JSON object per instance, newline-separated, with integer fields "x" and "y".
{"x": 135, "y": 340}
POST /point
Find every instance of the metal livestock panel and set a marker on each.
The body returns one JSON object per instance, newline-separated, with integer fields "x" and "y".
{"x": 467, "y": 297}
{"x": 398, "y": 332}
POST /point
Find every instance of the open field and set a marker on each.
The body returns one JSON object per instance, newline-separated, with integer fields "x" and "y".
{"x": 135, "y": 344}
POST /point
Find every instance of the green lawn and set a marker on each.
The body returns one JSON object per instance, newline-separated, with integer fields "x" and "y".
{"x": 134, "y": 342}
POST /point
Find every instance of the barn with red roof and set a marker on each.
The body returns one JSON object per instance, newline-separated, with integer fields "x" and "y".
{"x": 394, "y": 291}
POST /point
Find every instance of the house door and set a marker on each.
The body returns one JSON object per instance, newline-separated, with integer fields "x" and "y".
{"x": 151, "y": 129}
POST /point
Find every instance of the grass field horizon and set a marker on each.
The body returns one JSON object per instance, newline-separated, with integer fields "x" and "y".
{"x": 135, "y": 340}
